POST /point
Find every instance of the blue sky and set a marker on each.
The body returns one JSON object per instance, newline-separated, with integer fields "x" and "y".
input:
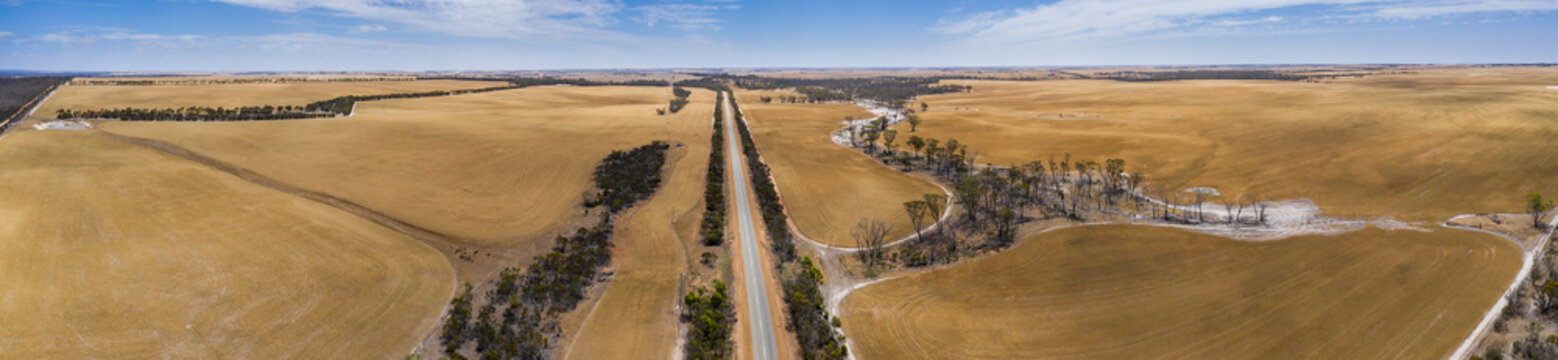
{"x": 328, "y": 35}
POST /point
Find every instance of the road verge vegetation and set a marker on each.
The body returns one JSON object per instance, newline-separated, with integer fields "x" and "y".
{"x": 816, "y": 331}
{"x": 713, "y": 319}
{"x": 519, "y": 320}
{"x": 713, "y": 228}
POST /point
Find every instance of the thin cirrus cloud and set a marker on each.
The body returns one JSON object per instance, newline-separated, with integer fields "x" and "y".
{"x": 1067, "y": 20}
{"x": 301, "y": 41}
{"x": 511, "y": 19}
{"x": 684, "y": 16}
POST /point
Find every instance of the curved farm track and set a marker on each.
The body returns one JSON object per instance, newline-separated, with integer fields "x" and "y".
{"x": 1121, "y": 291}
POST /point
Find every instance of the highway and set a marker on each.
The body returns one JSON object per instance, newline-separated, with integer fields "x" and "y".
{"x": 758, "y": 314}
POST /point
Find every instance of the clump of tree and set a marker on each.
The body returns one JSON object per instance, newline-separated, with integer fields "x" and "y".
{"x": 814, "y": 329}
{"x": 519, "y": 320}
{"x": 713, "y": 228}
{"x": 625, "y": 177}
{"x": 712, "y": 317}
{"x": 681, "y": 99}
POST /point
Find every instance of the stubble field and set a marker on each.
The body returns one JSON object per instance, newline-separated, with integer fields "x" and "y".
{"x": 1129, "y": 291}
{"x": 492, "y": 169}
{"x": 828, "y": 188}
{"x": 114, "y": 250}
{"x": 1417, "y": 147}
{"x": 92, "y": 97}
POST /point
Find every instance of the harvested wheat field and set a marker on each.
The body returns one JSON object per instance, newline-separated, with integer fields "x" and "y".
{"x": 91, "y": 97}
{"x": 827, "y": 188}
{"x": 501, "y": 168}
{"x": 1419, "y": 147}
{"x": 1126, "y": 291}
{"x": 636, "y": 318}
{"x": 111, "y": 250}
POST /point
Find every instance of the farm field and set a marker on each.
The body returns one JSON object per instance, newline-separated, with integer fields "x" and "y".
{"x": 827, "y": 188}
{"x": 91, "y": 97}
{"x": 111, "y": 250}
{"x": 636, "y": 315}
{"x": 1417, "y": 147}
{"x": 1123, "y": 291}
{"x": 503, "y": 168}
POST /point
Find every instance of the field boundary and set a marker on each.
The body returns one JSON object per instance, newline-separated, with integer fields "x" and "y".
{"x": 1529, "y": 259}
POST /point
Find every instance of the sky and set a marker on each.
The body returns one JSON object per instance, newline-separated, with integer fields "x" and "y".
{"x": 440, "y": 35}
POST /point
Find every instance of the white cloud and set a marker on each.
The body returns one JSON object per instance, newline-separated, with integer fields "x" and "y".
{"x": 1103, "y": 19}
{"x": 1426, "y": 9}
{"x": 478, "y": 18}
{"x": 369, "y": 29}
{"x": 691, "y": 17}
{"x": 6, "y": 34}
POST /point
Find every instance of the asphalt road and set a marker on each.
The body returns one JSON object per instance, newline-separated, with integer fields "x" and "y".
{"x": 758, "y": 313}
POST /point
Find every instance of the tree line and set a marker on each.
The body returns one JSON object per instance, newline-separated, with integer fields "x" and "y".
{"x": 996, "y": 200}
{"x": 894, "y": 91}
{"x": 320, "y": 109}
{"x": 815, "y": 330}
{"x": 713, "y": 228}
{"x": 519, "y": 320}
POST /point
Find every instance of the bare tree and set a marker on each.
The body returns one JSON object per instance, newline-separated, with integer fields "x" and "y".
{"x": 870, "y": 234}
{"x": 934, "y": 205}
{"x": 916, "y": 210}
{"x": 1260, "y": 203}
{"x": 1200, "y": 199}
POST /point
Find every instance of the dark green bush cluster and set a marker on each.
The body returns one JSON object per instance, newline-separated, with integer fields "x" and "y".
{"x": 625, "y": 177}
{"x": 713, "y": 319}
{"x": 809, "y": 319}
{"x": 681, "y": 99}
{"x": 713, "y": 230}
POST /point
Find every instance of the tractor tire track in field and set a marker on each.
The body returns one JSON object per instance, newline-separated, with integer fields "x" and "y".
{"x": 445, "y": 243}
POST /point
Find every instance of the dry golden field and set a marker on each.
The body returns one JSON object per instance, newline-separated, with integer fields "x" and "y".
{"x": 1128, "y": 291}
{"x": 79, "y": 97}
{"x": 500, "y": 168}
{"x": 1419, "y": 147}
{"x": 827, "y": 188}
{"x": 111, "y": 250}
{"x": 635, "y": 317}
